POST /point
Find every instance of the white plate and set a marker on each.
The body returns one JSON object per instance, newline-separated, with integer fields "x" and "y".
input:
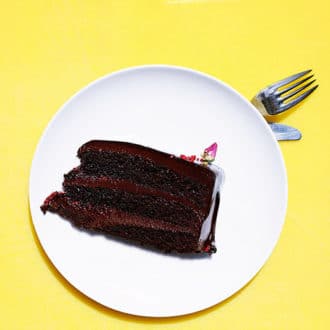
{"x": 179, "y": 111}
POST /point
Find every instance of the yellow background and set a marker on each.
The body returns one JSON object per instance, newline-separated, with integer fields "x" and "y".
{"x": 51, "y": 49}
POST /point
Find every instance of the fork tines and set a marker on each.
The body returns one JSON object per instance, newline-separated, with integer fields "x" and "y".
{"x": 286, "y": 89}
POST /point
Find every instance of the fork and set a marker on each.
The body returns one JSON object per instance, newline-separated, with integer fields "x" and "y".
{"x": 284, "y": 94}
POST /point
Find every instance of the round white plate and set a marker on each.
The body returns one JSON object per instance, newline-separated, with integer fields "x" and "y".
{"x": 176, "y": 110}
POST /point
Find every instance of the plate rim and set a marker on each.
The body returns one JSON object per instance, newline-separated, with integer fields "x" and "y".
{"x": 175, "y": 68}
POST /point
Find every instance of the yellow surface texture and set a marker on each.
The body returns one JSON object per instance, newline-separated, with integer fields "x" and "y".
{"x": 51, "y": 49}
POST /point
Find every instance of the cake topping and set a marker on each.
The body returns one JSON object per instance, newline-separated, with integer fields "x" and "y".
{"x": 208, "y": 156}
{"x": 191, "y": 158}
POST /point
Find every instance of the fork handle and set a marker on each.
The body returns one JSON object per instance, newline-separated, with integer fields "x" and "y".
{"x": 285, "y": 132}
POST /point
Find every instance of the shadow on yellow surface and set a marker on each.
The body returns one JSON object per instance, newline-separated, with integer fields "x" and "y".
{"x": 110, "y": 312}
{"x": 282, "y": 116}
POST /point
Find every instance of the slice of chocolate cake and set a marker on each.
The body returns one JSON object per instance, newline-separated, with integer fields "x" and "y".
{"x": 141, "y": 194}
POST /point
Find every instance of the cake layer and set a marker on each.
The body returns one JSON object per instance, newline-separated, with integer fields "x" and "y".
{"x": 148, "y": 167}
{"x": 112, "y": 221}
{"x": 146, "y": 205}
{"x": 160, "y": 158}
{"x": 127, "y": 196}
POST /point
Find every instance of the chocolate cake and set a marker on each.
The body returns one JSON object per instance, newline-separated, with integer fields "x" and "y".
{"x": 143, "y": 195}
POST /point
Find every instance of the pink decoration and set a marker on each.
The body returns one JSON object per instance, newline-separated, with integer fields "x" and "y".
{"x": 211, "y": 151}
{"x": 191, "y": 158}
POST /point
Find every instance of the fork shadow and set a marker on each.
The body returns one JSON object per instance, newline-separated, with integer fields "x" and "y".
{"x": 117, "y": 314}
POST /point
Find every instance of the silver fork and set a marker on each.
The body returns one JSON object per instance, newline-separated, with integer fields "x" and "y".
{"x": 281, "y": 96}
